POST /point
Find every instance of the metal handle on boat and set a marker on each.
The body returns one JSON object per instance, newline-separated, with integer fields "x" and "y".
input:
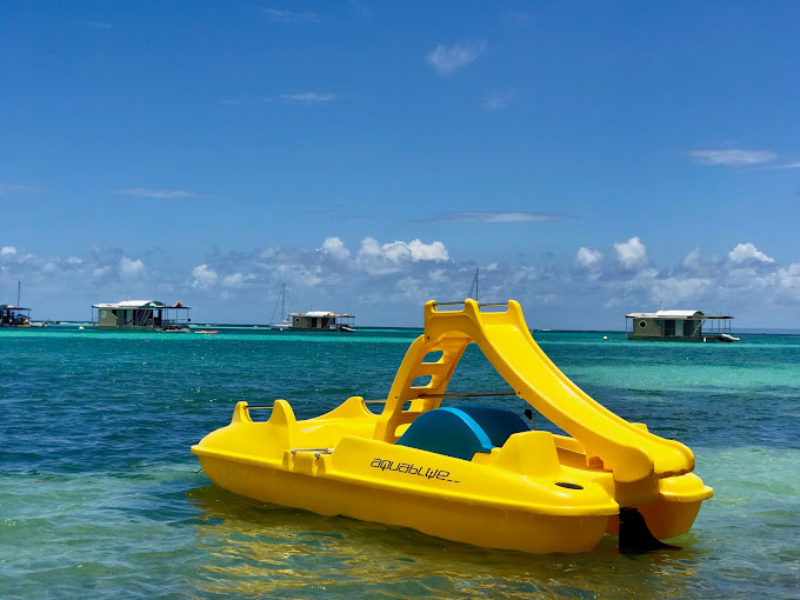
{"x": 451, "y": 395}
{"x": 316, "y": 451}
{"x": 258, "y": 407}
{"x": 480, "y": 305}
{"x": 467, "y": 394}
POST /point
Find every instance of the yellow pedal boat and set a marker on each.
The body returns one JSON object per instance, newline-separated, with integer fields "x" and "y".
{"x": 479, "y": 475}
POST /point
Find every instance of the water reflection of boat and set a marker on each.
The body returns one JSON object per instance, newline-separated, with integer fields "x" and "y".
{"x": 252, "y": 549}
{"x": 480, "y": 475}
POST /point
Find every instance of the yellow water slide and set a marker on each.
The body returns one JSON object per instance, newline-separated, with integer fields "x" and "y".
{"x": 628, "y": 450}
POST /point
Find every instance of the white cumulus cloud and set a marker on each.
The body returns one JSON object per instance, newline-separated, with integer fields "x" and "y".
{"x": 396, "y": 252}
{"x": 129, "y": 267}
{"x": 376, "y": 259}
{"x": 422, "y": 251}
{"x": 8, "y": 251}
{"x": 588, "y": 259}
{"x": 632, "y": 255}
{"x": 204, "y": 277}
{"x": 692, "y": 260}
{"x": 674, "y": 290}
{"x": 789, "y": 278}
{"x": 237, "y": 280}
{"x": 748, "y": 252}
{"x": 335, "y": 247}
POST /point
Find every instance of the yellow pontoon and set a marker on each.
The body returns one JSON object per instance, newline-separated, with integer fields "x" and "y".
{"x": 478, "y": 475}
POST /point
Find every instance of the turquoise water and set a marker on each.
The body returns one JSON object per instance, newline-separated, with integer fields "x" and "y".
{"x": 100, "y": 496}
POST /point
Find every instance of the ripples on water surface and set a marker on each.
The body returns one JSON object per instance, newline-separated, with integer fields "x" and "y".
{"x": 99, "y": 494}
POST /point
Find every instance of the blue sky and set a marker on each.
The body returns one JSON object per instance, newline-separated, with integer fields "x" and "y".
{"x": 590, "y": 158}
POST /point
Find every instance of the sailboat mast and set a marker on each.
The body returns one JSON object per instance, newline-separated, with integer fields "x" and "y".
{"x": 19, "y": 290}
{"x": 474, "y": 287}
{"x": 282, "y": 301}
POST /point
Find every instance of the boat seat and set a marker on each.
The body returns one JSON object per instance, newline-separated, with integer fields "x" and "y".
{"x": 461, "y": 432}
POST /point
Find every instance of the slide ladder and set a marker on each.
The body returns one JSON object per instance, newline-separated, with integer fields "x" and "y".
{"x": 629, "y": 451}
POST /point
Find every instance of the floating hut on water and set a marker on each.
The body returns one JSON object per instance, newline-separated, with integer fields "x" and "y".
{"x": 142, "y": 315}
{"x": 318, "y": 320}
{"x": 14, "y": 316}
{"x": 322, "y": 320}
{"x": 679, "y": 326}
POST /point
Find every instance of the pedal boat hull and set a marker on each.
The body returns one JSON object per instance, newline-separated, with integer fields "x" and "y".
{"x": 490, "y": 505}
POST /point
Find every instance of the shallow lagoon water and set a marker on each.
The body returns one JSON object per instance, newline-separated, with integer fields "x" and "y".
{"x": 100, "y": 495}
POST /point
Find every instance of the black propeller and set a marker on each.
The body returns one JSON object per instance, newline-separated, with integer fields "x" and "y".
{"x": 634, "y": 536}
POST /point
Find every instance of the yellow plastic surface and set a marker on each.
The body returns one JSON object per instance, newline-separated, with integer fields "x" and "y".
{"x": 538, "y": 493}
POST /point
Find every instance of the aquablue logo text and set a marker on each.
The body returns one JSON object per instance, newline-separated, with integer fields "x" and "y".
{"x": 411, "y": 469}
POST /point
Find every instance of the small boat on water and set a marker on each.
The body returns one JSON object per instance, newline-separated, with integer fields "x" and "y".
{"x": 482, "y": 475}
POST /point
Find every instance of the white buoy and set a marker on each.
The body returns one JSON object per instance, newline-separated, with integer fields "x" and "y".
{"x": 605, "y": 337}
{"x": 81, "y": 327}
